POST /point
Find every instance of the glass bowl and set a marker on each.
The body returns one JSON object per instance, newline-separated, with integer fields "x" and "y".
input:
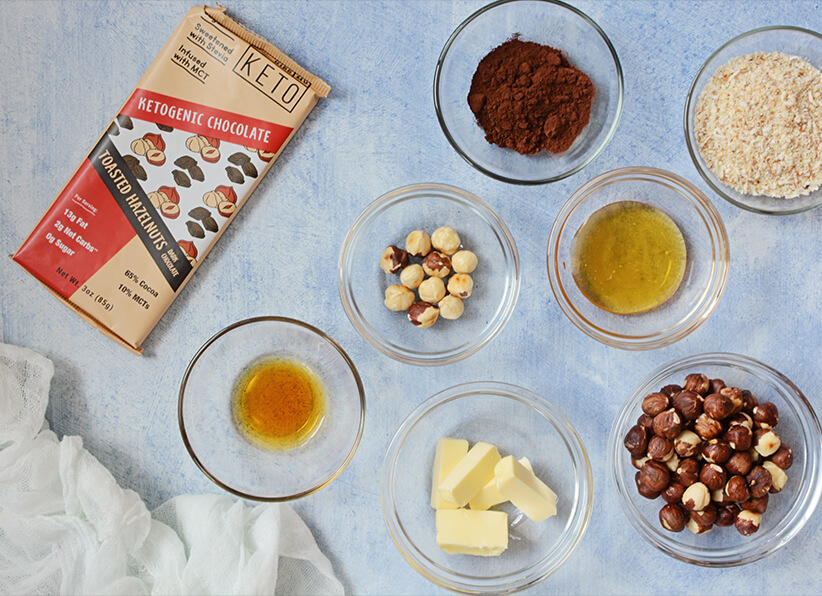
{"x": 225, "y": 455}
{"x": 519, "y": 423}
{"x": 706, "y": 269}
{"x": 386, "y": 222}
{"x": 547, "y": 22}
{"x": 789, "y": 40}
{"x": 787, "y": 512}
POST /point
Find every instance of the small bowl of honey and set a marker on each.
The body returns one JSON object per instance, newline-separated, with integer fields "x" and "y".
{"x": 638, "y": 258}
{"x": 271, "y": 409}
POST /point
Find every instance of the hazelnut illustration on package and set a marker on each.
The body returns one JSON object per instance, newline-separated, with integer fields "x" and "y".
{"x": 204, "y": 124}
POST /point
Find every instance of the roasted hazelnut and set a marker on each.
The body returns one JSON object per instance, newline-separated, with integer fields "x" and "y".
{"x": 713, "y": 476}
{"x": 766, "y": 415}
{"x": 654, "y": 476}
{"x": 747, "y": 522}
{"x": 672, "y": 463}
{"x": 696, "y": 497}
{"x": 707, "y": 428}
{"x": 688, "y": 404}
{"x": 638, "y": 462}
{"x": 687, "y": 472}
{"x": 756, "y": 504}
{"x": 749, "y": 401}
{"x": 717, "y": 385}
{"x": 705, "y": 517}
{"x": 673, "y": 493}
{"x": 687, "y": 443}
{"x": 436, "y": 264}
{"x": 451, "y": 307}
{"x": 778, "y": 476}
{"x": 737, "y": 489}
{"x": 423, "y": 314}
{"x": 755, "y": 457}
{"x": 694, "y": 527}
{"x": 464, "y": 261}
{"x": 735, "y": 395}
{"x": 654, "y": 404}
{"x": 783, "y": 457}
{"x": 725, "y": 516}
{"x": 446, "y": 240}
{"x": 670, "y": 390}
{"x": 716, "y": 451}
{"x": 418, "y": 243}
{"x": 718, "y": 406}
{"x": 741, "y": 419}
{"x": 697, "y": 383}
{"x": 739, "y": 437}
{"x": 668, "y": 424}
{"x": 673, "y": 518}
{"x": 412, "y": 276}
{"x": 393, "y": 259}
{"x": 766, "y": 442}
{"x": 739, "y": 463}
{"x": 759, "y": 481}
{"x": 398, "y": 298}
{"x": 719, "y": 497}
{"x": 461, "y": 285}
{"x": 644, "y": 490}
{"x": 646, "y": 422}
{"x": 636, "y": 441}
{"x": 432, "y": 290}
{"x": 660, "y": 448}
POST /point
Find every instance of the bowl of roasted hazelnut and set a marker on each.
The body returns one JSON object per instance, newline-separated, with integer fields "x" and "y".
{"x": 429, "y": 274}
{"x": 717, "y": 459}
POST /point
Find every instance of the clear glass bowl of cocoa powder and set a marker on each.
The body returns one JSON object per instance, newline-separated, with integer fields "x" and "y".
{"x": 549, "y": 23}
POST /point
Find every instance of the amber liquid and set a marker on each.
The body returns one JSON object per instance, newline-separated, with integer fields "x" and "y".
{"x": 628, "y": 257}
{"x": 278, "y": 403}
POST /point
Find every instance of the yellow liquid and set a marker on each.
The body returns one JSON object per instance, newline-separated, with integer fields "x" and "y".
{"x": 278, "y": 404}
{"x": 628, "y": 257}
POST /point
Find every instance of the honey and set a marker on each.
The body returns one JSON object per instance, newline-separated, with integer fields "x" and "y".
{"x": 628, "y": 257}
{"x": 278, "y": 403}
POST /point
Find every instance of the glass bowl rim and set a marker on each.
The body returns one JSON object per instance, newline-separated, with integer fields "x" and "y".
{"x": 690, "y": 99}
{"x": 597, "y": 150}
{"x": 386, "y": 201}
{"x": 808, "y": 495}
{"x": 717, "y": 282}
{"x": 584, "y": 485}
{"x": 264, "y": 319}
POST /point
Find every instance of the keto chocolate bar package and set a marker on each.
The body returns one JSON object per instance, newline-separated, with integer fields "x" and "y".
{"x": 167, "y": 176}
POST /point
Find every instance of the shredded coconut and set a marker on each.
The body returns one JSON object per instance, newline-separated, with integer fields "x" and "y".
{"x": 758, "y": 125}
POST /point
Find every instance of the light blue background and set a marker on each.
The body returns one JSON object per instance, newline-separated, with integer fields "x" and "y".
{"x": 67, "y": 68}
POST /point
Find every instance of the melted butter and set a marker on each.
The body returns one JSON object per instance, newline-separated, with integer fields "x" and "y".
{"x": 278, "y": 403}
{"x": 628, "y": 257}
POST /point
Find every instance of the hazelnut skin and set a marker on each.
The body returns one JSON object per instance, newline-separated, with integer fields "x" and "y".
{"x": 654, "y": 404}
{"x": 766, "y": 415}
{"x": 696, "y": 497}
{"x": 688, "y": 404}
{"x": 393, "y": 259}
{"x": 687, "y": 443}
{"x": 451, "y": 308}
{"x": 716, "y": 451}
{"x": 436, "y": 264}
{"x": 432, "y": 290}
{"x": 423, "y": 314}
{"x": 749, "y": 401}
{"x": 694, "y": 527}
{"x": 660, "y": 448}
{"x": 446, "y": 240}
{"x": 719, "y": 497}
{"x": 737, "y": 489}
{"x": 747, "y": 522}
{"x": 759, "y": 482}
{"x": 668, "y": 424}
{"x": 673, "y": 492}
{"x": 735, "y": 395}
{"x": 739, "y": 437}
{"x": 673, "y": 518}
{"x": 725, "y": 516}
{"x": 644, "y": 490}
{"x": 718, "y": 406}
{"x": 670, "y": 390}
{"x": 461, "y": 285}
{"x": 654, "y": 476}
{"x": 740, "y": 463}
{"x": 418, "y": 243}
{"x": 698, "y": 383}
{"x": 398, "y": 298}
{"x": 713, "y": 476}
{"x": 766, "y": 442}
{"x": 783, "y": 457}
{"x": 706, "y": 517}
{"x": 412, "y": 276}
{"x": 707, "y": 428}
{"x": 687, "y": 473}
{"x": 778, "y": 476}
{"x": 639, "y": 462}
{"x": 646, "y": 422}
{"x": 756, "y": 504}
{"x": 464, "y": 261}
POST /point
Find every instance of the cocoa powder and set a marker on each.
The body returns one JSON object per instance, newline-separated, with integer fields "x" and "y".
{"x": 529, "y": 98}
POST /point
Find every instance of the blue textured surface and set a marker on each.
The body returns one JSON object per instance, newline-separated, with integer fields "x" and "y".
{"x": 69, "y": 66}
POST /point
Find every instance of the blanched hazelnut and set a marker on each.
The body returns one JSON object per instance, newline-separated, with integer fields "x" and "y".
{"x": 432, "y": 290}
{"x": 672, "y": 463}
{"x": 423, "y": 314}
{"x": 156, "y": 199}
{"x": 412, "y": 276}
{"x": 687, "y": 443}
{"x": 759, "y": 481}
{"x": 778, "y": 476}
{"x": 461, "y": 285}
{"x": 464, "y": 261}
{"x": 436, "y": 264}
{"x": 696, "y": 497}
{"x": 783, "y": 457}
{"x": 393, "y": 259}
{"x": 673, "y": 518}
{"x": 766, "y": 415}
{"x": 446, "y": 240}
{"x": 660, "y": 448}
{"x": 766, "y": 442}
{"x": 418, "y": 243}
{"x": 739, "y": 463}
{"x": 697, "y": 383}
{"x": 707, "y": 428}
{"x": 211, "y": 199}
{"x": 451, "y": 307}
{"x": 747, "y": 522}
{"x": 398, "y": 298}
{"x": 737, "y": 489}
{"x": 655, "y": 403}
{"x": 654, "y": 476}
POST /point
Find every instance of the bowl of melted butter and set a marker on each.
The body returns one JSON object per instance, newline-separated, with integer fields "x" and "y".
{"x": 638, "y": 258}
{"x": 271, "y": 409}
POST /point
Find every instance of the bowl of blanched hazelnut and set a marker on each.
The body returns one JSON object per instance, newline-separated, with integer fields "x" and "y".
{"x": 717, "y": 459}
{"x": 429, "y": 274}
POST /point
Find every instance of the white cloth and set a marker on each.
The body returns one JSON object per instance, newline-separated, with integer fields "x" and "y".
{"x": 67, "y": 527}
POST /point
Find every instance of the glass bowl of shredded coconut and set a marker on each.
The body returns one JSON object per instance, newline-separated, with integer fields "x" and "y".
{"x": 753, "y": 120}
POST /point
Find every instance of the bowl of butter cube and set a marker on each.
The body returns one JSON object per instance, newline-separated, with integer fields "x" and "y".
{"x": 486, "y": 488}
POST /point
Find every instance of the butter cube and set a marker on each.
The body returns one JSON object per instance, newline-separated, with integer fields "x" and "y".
{"x": 526, "y": 492}
{"x": 490, "y": 495}
{"x": 466, "y": 532}
{"x": 470, "y": 474}
{"x": 449, "y": 453}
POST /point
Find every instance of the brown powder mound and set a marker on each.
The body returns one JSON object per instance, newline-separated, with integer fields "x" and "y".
{"x": 529, "y": 98}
